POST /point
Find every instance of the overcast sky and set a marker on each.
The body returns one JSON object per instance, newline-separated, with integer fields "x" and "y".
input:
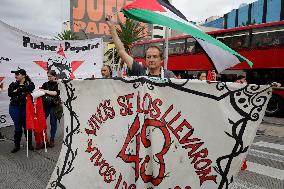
{"x": 38, "y": 17}
{"x": 45, "y": 17}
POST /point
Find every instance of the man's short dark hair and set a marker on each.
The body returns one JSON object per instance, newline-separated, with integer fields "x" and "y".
{"x": 241, "y": 77}
{"x": 155, "y": 47}
{"x": 199, "y": 74}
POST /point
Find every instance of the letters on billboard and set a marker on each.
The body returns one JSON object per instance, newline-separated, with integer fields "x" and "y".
{"x": 88, "y": 16}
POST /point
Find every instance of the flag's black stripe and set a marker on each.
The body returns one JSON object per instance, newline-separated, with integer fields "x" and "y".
{"x": 167, "y": 4}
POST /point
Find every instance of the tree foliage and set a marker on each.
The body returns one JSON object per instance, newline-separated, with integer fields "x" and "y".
{"x": 67, "y": 35}
{"x": 129, "y": 32}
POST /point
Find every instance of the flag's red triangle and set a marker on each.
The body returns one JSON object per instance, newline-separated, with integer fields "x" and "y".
{"x": 151, "y": 5}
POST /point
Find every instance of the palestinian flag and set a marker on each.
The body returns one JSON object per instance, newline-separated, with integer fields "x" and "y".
{"x": 161, "y": 12}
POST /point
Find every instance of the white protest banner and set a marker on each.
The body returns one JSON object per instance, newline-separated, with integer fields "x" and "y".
{"x": 70, "y": 59}
{"x": 5, "y": 119}
{"x": 139, "y": 133}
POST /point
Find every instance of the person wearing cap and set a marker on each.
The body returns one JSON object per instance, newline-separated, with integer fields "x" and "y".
{"x": 17, "y": 92}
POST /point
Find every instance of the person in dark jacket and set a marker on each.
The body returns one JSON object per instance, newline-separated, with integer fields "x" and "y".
{"x": 50, "y": 101}
{"x": 18, "y": 91}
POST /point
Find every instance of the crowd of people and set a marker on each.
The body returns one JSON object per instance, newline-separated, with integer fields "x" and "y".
{"x": 18, "y": 91}
{"x": 23, "y": 85}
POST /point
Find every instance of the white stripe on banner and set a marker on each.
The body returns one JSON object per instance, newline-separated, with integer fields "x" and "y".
{"x": 269, "y": 145}
{"x": 265, "y": 170}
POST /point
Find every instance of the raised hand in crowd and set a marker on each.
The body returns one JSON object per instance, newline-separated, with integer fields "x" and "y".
{"x": 118, "y": 44}
{"x": 153, "y": 58}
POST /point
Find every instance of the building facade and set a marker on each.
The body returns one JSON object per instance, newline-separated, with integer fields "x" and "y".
{"x": 261, "y": 11}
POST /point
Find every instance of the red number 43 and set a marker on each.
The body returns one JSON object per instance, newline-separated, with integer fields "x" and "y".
{"x": 134, "y": 158}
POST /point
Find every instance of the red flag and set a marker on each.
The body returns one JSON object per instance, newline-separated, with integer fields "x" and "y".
{"x": 209, "y": 76}
{"x": 30, "y": 113}
{"x": 40, "y": 123}
{"x": 40, "y": 116}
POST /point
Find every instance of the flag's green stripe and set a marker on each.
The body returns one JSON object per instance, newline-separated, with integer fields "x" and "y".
{"x": 156, "y": 18}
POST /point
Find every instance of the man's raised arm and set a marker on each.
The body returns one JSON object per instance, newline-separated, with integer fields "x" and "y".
{"x": 118, "y": 44}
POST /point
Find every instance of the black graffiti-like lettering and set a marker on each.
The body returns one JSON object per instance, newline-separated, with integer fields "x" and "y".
{"x": 80, "y": 48}
{"x": 3, "y": 119}
{"x": 27, "y": 43}
{"x": 4, "y": 59}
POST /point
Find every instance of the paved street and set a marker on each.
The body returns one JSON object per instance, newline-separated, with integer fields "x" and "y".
{"x": 265, "y": 161}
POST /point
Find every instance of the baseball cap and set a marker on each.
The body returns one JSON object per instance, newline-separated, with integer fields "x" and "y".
{"x": 19, "y": 71}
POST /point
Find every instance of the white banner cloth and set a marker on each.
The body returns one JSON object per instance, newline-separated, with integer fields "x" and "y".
{"x": 140, "y": 133}
{"x": 5, "y": 119}
{"x": 70, "y": 59}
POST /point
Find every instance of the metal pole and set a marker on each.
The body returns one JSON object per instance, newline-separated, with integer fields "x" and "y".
{"x": 44, "y": 141}
{"x": 27, "y": 143}
{"x": 113, "y": 56}
{"x": 166, "y": 51}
